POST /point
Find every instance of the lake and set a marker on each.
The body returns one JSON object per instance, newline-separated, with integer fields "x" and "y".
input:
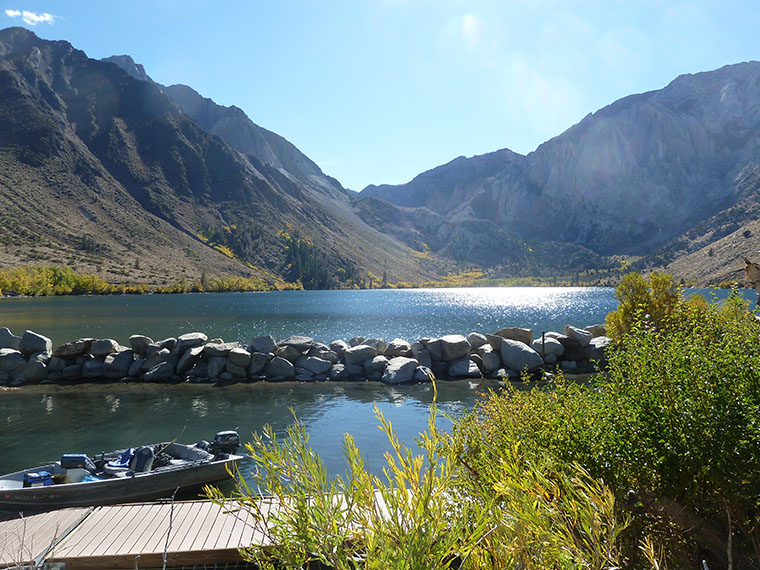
{"x": 40, "y": 423}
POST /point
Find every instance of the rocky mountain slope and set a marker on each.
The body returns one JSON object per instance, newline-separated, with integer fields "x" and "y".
{"x": 631, "y": 179}
{"x": 103, "y": 169}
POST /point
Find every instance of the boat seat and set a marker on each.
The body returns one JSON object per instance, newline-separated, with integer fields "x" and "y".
{"x": 121, "y": 463}
{"x": 143, "y": 460}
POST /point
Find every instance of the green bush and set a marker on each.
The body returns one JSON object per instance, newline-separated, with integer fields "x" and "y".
{"x": 648, "y": 304}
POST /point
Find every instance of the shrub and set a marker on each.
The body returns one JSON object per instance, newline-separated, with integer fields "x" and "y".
{"x": 648, "y": 303}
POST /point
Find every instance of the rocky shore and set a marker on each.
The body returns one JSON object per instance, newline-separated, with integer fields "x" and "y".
{"x": 30, "y": 359}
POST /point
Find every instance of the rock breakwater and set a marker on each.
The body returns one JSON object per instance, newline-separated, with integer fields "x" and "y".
{"x": 192, "y": 357}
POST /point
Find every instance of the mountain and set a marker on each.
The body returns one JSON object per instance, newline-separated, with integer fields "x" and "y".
{"x": 102, "y": 168}
{"x": 630, "y": 179}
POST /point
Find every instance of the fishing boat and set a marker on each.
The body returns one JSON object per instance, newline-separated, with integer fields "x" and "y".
{"x": 122, "y": 476}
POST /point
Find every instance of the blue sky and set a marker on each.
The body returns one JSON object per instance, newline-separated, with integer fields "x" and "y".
{"x": 377, "y": 91}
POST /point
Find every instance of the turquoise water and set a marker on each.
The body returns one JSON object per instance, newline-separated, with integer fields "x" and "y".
{"x": 40, "y": 423}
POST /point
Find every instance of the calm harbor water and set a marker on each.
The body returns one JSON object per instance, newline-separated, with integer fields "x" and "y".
{"x": 40, "y": 423}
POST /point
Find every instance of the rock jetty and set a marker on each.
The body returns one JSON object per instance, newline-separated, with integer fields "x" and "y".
{"x": 193, "y": 357}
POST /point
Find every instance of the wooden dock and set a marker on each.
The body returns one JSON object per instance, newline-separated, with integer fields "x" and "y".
{"x": 128, "y": 536}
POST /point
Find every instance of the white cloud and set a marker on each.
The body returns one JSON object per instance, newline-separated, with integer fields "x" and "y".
{"x": 31, "y": 18}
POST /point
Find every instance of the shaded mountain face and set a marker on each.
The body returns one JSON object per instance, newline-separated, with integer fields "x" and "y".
{"x": 128, "y": 167}
{"x": 625, "y": 180}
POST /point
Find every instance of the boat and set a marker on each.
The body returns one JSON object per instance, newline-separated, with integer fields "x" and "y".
{"x": 128, "y": 475}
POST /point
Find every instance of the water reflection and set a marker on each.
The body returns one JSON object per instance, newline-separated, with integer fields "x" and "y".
{"x": 92, "y": 418}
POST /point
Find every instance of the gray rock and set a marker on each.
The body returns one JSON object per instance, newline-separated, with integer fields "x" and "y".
{"x": 464, "y": 368}
{"x": 313, "y": 364}
{"x": 573, "y": 349}
{"x": 568, "y": 365}
{"x": 288, "y": 352}
{"x": 549, "y": 347}
{"x": 302, "y": 343}
{"x": 305, "y": 376}
{"x": 199, "y": 370}
{"x": 516, "y": 333}
{"x": 359, "y": 353}
{"x": 421, "y": 354}
{"x": 433, "y": 346}
{"x": 494, "y": 341}
{"x": 188, "y": 359}
{"x": 74, "y": 348}
{"x": 423, "y": 374}
{"x": 163, "y": 355}
{"x": 379, "y": 344}
{"x": 235, "y": 370}
{"x": 167, "y": 343}
{"x": 338, "y": 372}
{"x": 355, "y": 370}
{"x": 518, "y": 356}
{"x": 398, "y": 347}
{"x": 216, "y": 365}
{"x": 136, "y": 368}
{"x": 259, "y": 361}
{"x": 597, "y": 348}
{"x": 597, "y": 330}
{"x": 491, "y": 361}
{"x": 324, "y": 353}
{"x": 376, "y": 364}
{"x": 476, "y": 340}
{"x": 4, "y": 378}
{"x": 339, "y": 347}
{"x": 189, "y": 340}
{"x": 454, "y": 347}
{"x": 163, "y": 371}
{"x": 239, "y": 357}
{"x": 33, "y": 372}
{"x": 280, "y": 367}
{"x": 32, "y": 342}
{"x": 139, "y": 344}
{"x": 218, "y": 349}
{"x": 582, "y": 336}
{"x": 103, "y": 347}
{"x": 8, "y": 339}
{"x": 92, "y": 368}
{"x": 72, "y": 372}
{"x": 11, "y": 359}
{"x": 263, "y": 344}
{"x": 400, "y": 370}
{"x": 118, "y": 365}
{"x": 356, "y": 341}
{"x": 56, "y": 364}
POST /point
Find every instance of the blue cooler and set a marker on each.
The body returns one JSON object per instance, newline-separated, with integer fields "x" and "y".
{"x": 38, "y": 479}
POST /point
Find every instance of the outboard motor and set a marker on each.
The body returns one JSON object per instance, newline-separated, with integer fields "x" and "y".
{"x": 226, "y": 442}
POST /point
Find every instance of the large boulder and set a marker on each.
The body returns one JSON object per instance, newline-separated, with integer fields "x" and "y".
{"x": 117, "y": 365}
{"x": 137, "y": 367}
{"x": 518, "y": 356}
{"x": 379, "y": 344}
{"x": 476, "y": 340}
{"x": 597, "y": 330}
{"x": 279, "y": 367}
{"x": 103, "y": 347}
{"x": 582, "y": 336}
{"x": 74, "y": 348}
{"x": 573, "y": 349}
{"x": 8, "y": 339}
{"x": 239, "y": 357}
{"x": 139, "y": 344}
{"x": 422, "y": 354}
{"x": 356, "y": 341}
{"x": 423, "y": 374}
{"x": 93, "y": 368}
{"x": 34, "y": 371}
{"x": 359, "y": 354}
{"x": 259, "y": 361}
{"x": 263, "y": 344}
{"x": 235, "y": 370}
{"x": 163, "y": 355}
{"x": 597, "y": 349}
{"x": 314, "y": 364}
{"x": 454, "y": 347}
{"x": 376, "y": 364}
{"x": 338, "y": 372}
{"x": 188, "y": 359}
{"x": 216, "y": 365}
{"x": 218, "y": 349}
{"x": 323, "y": 352}
{"x": 516, "y": 333}
{"x": 72, "y": 372}
{"x": 491, "y": 361}
{"x": 11, "y": 359}
{"x": 398, "y": 347}
{"x": 464, "y": 368}
{"x": 288, "y": 352}
{"x": 400, "y": 370}
{"x": 548, "y": 347}
{"x": 167, "y": 343}
{"x": 302, "y": 343}
{"x": 339, "y": 347}
{"x": 160, "y": 372}
{"x": 189, "y": 340}
{"x": 32, "y": 342}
